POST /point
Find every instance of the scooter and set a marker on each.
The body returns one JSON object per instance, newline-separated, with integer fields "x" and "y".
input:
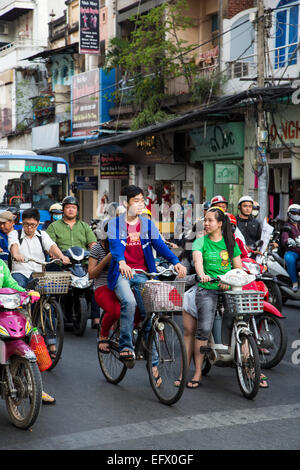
{"x": 268, "y": 327}
{"x": 76, "y": 303}
{"x": 276, "y": 267}
{"x": 231, "y": 343}
{"x": 20, "y": 378}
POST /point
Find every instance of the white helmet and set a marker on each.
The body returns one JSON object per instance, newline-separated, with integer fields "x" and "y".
{"x": 293, "y": 213}
{"x": 245, "y": 199}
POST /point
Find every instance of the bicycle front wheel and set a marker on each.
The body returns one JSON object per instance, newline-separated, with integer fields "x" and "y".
{"x": 247, "y": 366}
{"x": 112, "y": 368}
{"x": 166, "y": 351}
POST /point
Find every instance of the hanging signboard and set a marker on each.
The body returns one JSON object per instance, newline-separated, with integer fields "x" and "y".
{"x": 85, "y": 103}
{"x": 113, "y": 167}
{"x": 221, "y": 141}
{"x": 89, "y": 42}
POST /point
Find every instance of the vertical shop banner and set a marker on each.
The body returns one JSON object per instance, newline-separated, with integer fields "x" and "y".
{"x": 89, "y": 42}
{"x": 85, "y": 103}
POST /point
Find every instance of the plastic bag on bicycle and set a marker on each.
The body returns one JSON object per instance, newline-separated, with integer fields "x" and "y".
{"x": 161, "y": 296}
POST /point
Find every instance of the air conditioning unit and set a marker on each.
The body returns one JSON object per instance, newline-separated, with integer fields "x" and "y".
{"x": 4, "y": 29}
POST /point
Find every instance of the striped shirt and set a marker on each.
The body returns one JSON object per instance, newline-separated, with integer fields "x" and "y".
{"x": 98, "y": 252}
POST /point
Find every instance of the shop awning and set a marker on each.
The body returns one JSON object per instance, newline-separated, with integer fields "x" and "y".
{"x": 226, "y": 104}
{"x": 69, "y": 49}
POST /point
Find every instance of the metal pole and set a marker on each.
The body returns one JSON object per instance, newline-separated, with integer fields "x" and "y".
{"x": 261, "y": 131}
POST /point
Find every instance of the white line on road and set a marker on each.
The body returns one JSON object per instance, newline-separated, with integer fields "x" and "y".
{"x": 96, "y": 438}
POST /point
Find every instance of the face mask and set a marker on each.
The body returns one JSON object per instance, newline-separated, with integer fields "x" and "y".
{"x": 57, "y": 216}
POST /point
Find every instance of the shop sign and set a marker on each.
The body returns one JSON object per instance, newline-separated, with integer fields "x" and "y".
{"x": 221, "y": 141}
{"x": 285, "y": 127}
{"x": 85, "y": 103}
{"x": 226, "y": 173}
{"x": 113, "y": 167}
{"x": 89, "y": 183}
{"x": 89, "y": 42}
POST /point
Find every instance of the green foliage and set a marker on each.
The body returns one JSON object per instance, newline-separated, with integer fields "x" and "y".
{"x": 206, "y": 88}
{"x": 153, "y": 54}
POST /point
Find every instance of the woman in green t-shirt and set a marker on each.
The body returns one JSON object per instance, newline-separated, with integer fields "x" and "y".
{"x": 214, "y": 254}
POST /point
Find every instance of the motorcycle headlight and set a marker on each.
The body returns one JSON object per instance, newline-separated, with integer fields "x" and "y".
{"x": 3, "y": 332}
{"x": 10, "y": 301}
{"x": 81, "y": 282}
{"x": 252, "y": 268}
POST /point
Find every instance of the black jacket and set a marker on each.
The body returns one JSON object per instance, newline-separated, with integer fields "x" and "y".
{"x": 250, "y": 228}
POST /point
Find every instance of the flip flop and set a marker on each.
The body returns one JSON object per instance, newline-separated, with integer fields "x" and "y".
{"x": 47, "y": 399}
{"x": 194, "y": 382}
{"x": 129, "y": 356}
{"x": 263, "y": 380}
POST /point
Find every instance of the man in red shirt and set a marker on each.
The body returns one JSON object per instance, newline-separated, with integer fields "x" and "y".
{"x": 131, "y": 238}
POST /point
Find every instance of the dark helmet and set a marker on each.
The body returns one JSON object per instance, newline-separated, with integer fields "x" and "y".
{"x": 70, "y": 200}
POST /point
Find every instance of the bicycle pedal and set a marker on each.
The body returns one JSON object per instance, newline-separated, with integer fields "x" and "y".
{"x": 205, "y": 349}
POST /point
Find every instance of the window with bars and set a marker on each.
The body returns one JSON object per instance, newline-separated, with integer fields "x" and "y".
{"x": 287, "y": 34}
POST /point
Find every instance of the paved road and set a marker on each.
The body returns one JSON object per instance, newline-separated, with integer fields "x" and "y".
{"x": 92, "y": 414}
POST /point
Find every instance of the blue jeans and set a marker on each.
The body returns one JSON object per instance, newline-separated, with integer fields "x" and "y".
{"x": 129, "y": 294}
{"x": 23, "y": 281}
{"x": 206, "y": 303}
{"x": 291, "y": 258}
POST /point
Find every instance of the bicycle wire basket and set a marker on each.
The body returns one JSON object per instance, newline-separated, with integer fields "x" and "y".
{"x": 246, "y": 302}
{"x": 52, "y": 283}
{"x": 162, "y": 296}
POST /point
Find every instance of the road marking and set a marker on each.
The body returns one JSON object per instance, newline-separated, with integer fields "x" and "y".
{"x": 96, "y": 438}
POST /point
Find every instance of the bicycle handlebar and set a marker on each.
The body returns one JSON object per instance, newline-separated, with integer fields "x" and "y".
{"x": 170, "y": 269}
{"x": 43, "y": 263}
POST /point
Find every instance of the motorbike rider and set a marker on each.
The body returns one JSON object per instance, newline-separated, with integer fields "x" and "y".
{"x": 215, "y": 253}
{"x": 69, "y": 231}
{"x": 219, "y": 201}
{"x": 256, "y": 209}
{"x": 238, "y": 236}
{"x": 290, "y": 240}
{"x": 7, "y": 220}
{"x": 55, "y": 212}
{"x": 247, "y": 224}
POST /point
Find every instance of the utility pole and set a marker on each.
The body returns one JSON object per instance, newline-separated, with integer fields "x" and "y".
{"x": 261, "y": 130}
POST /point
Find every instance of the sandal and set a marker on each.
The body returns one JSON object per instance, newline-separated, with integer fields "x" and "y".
{"x": 197, "y": 383}
{"x": 127, "y": 355}
{"x": 177, "y": 383}
{"x": 263, "y": 382}
{"x": 104, "y": 350}
{"x": 47, "y": 399}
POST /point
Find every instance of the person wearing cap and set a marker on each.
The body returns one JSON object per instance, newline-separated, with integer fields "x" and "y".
{"x": 219, "y": 201}
{"x": 55, "y": 212}
{"x": 7, "y": 220}
{"x": 247, "y": 224}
